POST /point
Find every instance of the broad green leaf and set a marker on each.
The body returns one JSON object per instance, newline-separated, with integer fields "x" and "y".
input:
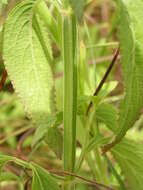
{"x": 42, "y": 180}
{"x": 78, "y": 7}
{"x": 129, "y": 156}
{"x": 54, "y": 139}
{"x": 107, "y": 114}
{"x": 131, "y": 42}
{"x": 27, "y": 57}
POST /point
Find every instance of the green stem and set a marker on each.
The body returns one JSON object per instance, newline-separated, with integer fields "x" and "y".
{"x": 116, "y": 175}
{"x": 101, "y": 167}
{"x": 70, "y": 90}
{"x": 99, "y": 161}
{"x": 88, "y": 124}
{"x": 49, "y": 21}
{"x": 92, "y": 166}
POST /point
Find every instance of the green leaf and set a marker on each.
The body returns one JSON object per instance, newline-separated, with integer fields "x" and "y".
{"x": 42, "y": 180}
{"x": 27, "y": 57}
{"x": 131, "y": 40}
{"x": 131, "y": 45}
{"x": 42, "y": 130}
{"x": 54, "y": 139}
{"x": 129, "y": 156}
{"x": 53, "y": 121}
{"x": 107, "y": 89}
{"x": 96, "y": 141}
{"x": 83, "y": 102}
{"x": 78, "y": 7}
{"x": 107, "y": 114}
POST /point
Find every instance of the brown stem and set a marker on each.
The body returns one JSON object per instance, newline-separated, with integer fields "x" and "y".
{"x": 22, "y": 139}
{"x": 27, "y": 183}
{"x": 2, "y": 82}
{"x": 91, "y": 182}
{"x": 104, "y": 79}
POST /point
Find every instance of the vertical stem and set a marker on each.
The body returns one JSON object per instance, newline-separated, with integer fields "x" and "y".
{"x": 70, "y": 90}
{"x": 100, "y": 162}
{"x": 115, "y": 174}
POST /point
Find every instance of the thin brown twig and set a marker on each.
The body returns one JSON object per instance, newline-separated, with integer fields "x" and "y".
{"x": 91, "y": 182}
{"x": 104, "y": 79}
{"x": 22, "y": 139}
{"x": 27, "y": 183}
{"x": 3, "y": 79}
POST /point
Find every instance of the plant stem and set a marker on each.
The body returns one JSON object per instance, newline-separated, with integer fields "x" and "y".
{"x": 101, "y": 167}
{"x": 92, "y": 165}
{"x": 104, "y": 79}
{"x": 86, "y": 139}
{"x": 99, "y": 161}
{"x": 70, "y": 90}
{"x": 116, "y": 175}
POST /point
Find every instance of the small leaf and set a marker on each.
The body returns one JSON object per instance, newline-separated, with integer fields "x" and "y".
{"x": 107, "y": 114}
{"x": 129, "y": 155}
{"x": 96, "y": 141}
{"x": 107, "y": 89}
{"x": 54, "y": 139}
{"x": 42, "y": 180}
{"x": 42, "y": 130}
{"x": 83, "y": 102}
{"x": 53, "y": 121}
